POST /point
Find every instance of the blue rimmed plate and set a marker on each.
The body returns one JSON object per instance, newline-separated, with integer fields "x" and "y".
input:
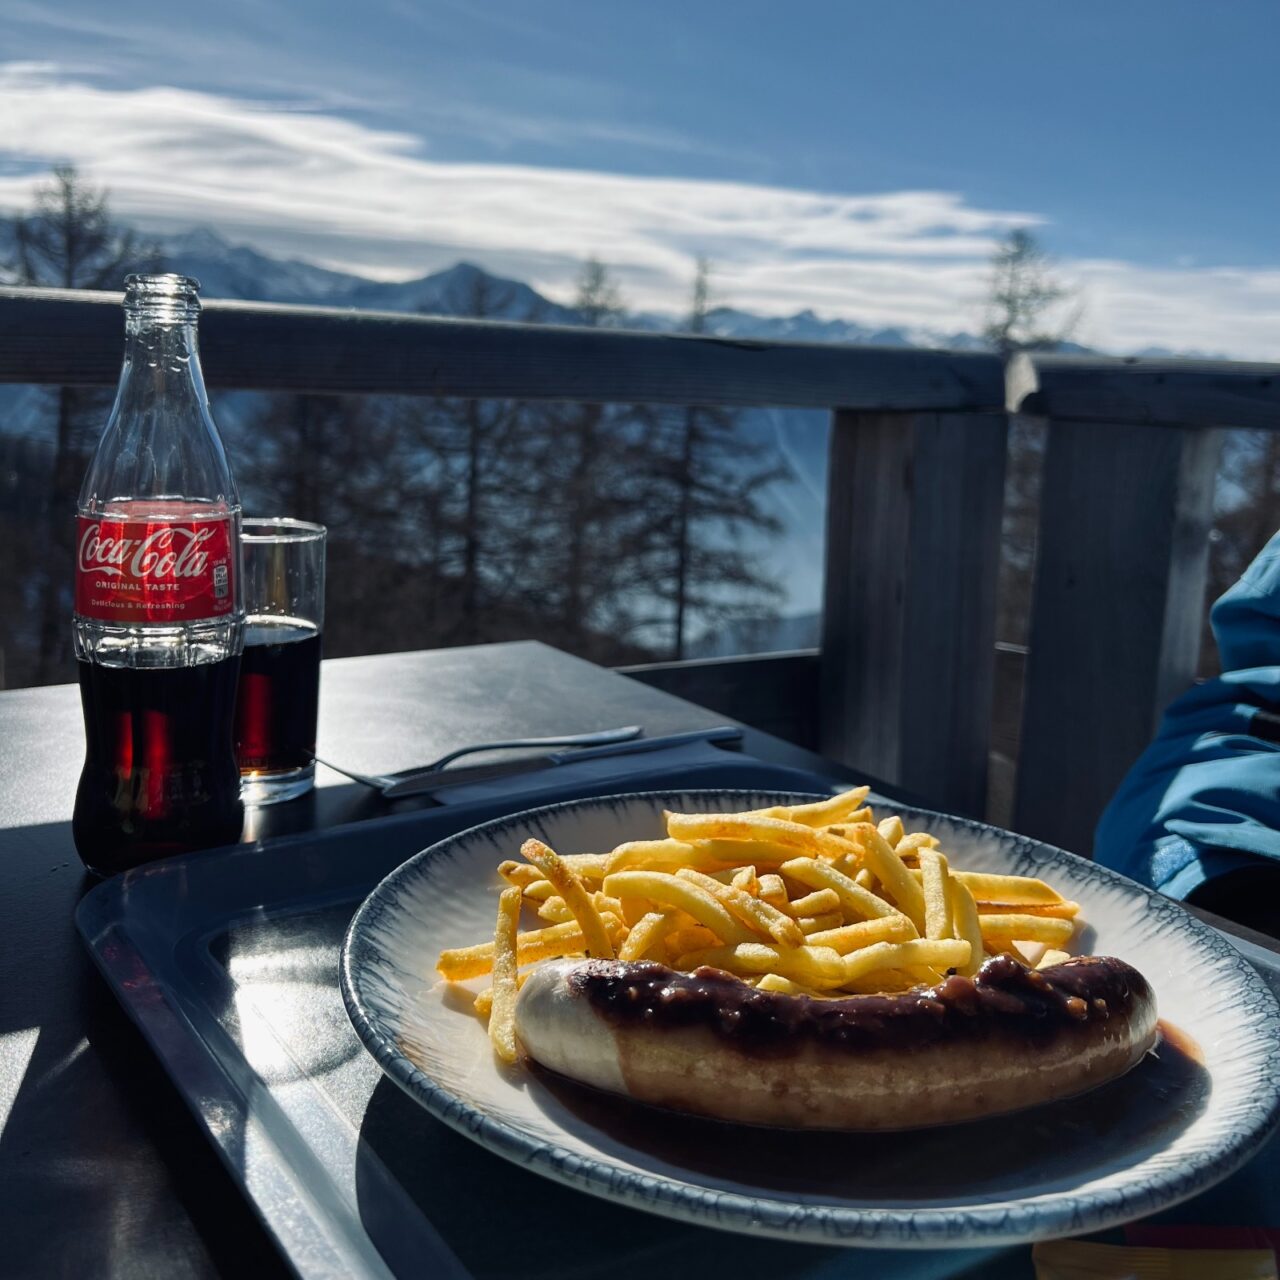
{"x": 1171, "y": 1128}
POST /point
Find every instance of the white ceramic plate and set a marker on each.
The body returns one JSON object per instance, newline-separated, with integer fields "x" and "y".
{"x": 1166, "y": 1131}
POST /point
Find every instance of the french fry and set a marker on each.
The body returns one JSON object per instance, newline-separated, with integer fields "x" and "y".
{"x": 646, "y": 936}
{"x": 747, "y": 826}
{"x": 590, "y": 868}
{"x": 819, "y": 902}
{"x": 865, "y": 879}
{"x": 818, "y": 924}
{"x": 483, "y": 1003}
{"x": 814, "y": 966}
{"x": 935, "y": 885}
{"x": 776, "y": 982}
{"x": 820, "y": 875}
{"x": 502, "y": 1015}
{"x": 758, "y": 916}
{"x": 964, "y": 919}
{"x": 1051, "y": 958}
{"x": 891, "y": 830}
{"x": 820, "y": 813}
{"x": 1008, "y": 928}
{"x": 950, "y": 954}
{"x": 1012, "y": 890}
{"x": 670, "y": 891}
{"x": 849, "y": 937}
{"x": 561, "y": 873}
{"x": 745, "y": 878}
{"x": 1064, "y": 910}
{"x": 914, "y": 842}
{"x": 554, "y": 910}
{"x": 461, "y": 963}
{"x": 653, "y": 855}
{"x": 897, "y": 881}
{"x": 519, "y": 873}
{"x": 774, "y": 891}
{"x": 696, "y": 937}
{"x": 539, "y": 890}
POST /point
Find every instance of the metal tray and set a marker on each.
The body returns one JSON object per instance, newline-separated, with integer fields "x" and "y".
{"x": 228, "y": 963}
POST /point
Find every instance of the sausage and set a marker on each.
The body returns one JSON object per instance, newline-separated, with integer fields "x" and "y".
{"x": 707, "y": 1043}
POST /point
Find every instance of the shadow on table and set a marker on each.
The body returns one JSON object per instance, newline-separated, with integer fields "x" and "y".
{"x": 103, "y": 1170}
{"x": 504, "y": 1221}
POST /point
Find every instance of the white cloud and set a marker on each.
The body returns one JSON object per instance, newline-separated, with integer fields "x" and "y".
{"x": 373, "y": 201}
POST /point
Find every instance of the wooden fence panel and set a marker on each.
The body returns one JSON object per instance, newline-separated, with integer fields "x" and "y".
{"x": 913, "y": 548}
{"x": 1119, "y": 603}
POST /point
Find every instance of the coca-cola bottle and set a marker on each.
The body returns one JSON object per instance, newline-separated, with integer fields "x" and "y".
{"x": 159, "y": 622}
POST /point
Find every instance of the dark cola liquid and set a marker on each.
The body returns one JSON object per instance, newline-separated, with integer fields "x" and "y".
{"x": 279, "y": 696}
{"x": 160, "y": 773}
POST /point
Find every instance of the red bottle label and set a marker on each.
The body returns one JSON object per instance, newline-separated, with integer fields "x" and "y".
{"x": 154, "y": 570}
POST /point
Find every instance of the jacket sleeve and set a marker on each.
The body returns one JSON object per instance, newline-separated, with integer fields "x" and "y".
{"x": 1204, "y": 798}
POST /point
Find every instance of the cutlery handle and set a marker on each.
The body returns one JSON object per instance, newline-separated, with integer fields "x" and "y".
{"x": 721, "y": 733}
{"x": 602, "y": 737}
{"x": 418, "y": 783}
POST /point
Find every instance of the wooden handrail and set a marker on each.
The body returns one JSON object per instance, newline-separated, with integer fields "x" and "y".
{"x": 65, "y": 337}
{"x": 1154, "y": 392}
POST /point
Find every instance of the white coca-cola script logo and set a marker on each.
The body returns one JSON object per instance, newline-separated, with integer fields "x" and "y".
{"x": 171, "y": 552}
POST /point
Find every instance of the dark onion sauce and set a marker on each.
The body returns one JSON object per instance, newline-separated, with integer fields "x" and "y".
{"x": 1005, "y": 998}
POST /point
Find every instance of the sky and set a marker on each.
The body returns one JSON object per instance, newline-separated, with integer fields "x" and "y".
{"x": 856, "y": 157}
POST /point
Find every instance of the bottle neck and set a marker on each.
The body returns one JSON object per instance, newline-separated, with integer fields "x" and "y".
{"x": 161, "y": 363}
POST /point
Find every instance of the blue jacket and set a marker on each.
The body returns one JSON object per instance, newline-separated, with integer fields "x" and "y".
{"x": 1204, "y": 798}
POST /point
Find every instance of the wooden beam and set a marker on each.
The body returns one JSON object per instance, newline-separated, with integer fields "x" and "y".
{"x": 1186, "y": 393}
{"x": 913, "y": 546}
{"x": 1119, "y": 603}
{"x": 69, "y": 337}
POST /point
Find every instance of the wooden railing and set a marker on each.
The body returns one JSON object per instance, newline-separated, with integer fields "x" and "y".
{"x": 903, "y": 683}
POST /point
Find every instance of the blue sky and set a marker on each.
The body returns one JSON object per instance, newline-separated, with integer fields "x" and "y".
{"x": 858, "y": 158}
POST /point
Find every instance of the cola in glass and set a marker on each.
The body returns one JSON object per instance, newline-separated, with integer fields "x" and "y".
{"x": 159, "y": 618}
{"x": 279, "y": 696}
{"x": 283, "y": 562}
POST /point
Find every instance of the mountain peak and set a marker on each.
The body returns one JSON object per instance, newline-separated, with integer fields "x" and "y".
{"x": 199, "y": 240}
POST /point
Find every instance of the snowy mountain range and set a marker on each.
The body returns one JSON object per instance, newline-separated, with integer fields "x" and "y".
{"x": 226, "y": 270}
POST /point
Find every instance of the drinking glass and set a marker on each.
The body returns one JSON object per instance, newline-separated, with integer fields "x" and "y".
{"x": 279, "y": 692}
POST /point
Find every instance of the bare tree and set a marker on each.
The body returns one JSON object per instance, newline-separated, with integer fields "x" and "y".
{"x": 70, "y": 241}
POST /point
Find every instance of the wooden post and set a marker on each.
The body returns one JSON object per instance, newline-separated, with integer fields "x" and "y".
{"x": 913, "y": 544}
{"x": 1119, "y": 602}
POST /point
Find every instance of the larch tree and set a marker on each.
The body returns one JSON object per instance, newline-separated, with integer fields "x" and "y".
{"x": 1027, "y": 309}
{"x": 714, "y": 483}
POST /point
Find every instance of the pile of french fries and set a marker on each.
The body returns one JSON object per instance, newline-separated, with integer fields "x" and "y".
{"x": 814, "y": 899}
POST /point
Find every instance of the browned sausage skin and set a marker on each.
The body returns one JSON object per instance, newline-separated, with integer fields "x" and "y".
{"x": 706, "y": 1043}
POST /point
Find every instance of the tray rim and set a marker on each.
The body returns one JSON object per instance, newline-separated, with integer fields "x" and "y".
{"x": 915, "y": 1228}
